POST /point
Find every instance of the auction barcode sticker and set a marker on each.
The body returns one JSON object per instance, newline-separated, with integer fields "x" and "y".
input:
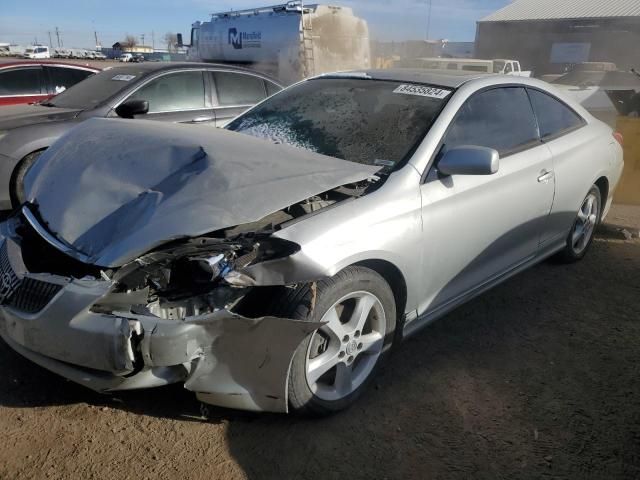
{"x": 124, "y": 78}
{"x": 422, "y": 91}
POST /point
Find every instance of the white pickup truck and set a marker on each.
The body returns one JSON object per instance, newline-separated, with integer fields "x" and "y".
{"x": 503, "y": 66}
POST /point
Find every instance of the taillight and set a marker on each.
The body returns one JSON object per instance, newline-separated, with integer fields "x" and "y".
{"x": 619, "y": 138}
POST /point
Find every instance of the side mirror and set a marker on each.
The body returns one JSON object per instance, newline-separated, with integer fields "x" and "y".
{"x": 131, "y": 108}
{"x": 469, "y": 160}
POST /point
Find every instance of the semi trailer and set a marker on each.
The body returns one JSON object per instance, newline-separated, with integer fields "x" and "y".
{"x": 290, "y": 41}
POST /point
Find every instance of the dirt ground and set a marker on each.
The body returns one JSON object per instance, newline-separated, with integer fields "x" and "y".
{"x": 538, "y": 379}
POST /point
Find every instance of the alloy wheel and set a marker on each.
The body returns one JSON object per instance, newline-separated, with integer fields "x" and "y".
{"x": 585, "y": 224}
{"x": 344, "y": 351}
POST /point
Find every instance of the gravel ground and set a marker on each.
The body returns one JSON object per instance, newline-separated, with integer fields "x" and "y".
{"x": 538, "y": 378}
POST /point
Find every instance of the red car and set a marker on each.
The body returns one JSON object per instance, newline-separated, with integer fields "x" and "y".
{"x": 34, "y": 81}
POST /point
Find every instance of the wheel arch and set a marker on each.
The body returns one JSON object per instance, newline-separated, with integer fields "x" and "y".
{"x": 396, "y": 281}
{"x": 603, "y": 185}
{"x": 16, "y": 169}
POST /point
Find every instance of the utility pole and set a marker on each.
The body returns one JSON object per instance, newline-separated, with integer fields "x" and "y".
{"x": 95, "y": 35}
{"x": 153, "y": 40}
{"x": 50, "y": 42}
{"x": 429, "y": 19}
{"x": 142, "y": 36}
{"x": 58, "y": 36}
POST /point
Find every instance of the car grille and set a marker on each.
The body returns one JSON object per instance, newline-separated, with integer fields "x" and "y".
{"x": 33, "y": 295}
{"x": 27, "y": 295}
{"x": 9, "y": 281}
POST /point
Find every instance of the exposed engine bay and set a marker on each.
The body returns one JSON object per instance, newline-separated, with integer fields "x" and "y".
{"x": 189, "y": 278}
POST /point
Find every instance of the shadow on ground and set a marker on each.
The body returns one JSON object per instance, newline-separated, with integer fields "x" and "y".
{"x": 538, "y": 378}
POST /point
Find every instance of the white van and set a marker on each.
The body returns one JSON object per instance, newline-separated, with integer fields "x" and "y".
{"x": 37, "y": 51}
{"x": 126, "y": 57}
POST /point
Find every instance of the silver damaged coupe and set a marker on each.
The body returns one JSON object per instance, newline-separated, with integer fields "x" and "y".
{"x": 271, "y": 266}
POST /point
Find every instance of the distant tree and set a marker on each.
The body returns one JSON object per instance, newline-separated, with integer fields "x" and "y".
{"x": 171, "y": 39}
{"x": 129, "y": 41}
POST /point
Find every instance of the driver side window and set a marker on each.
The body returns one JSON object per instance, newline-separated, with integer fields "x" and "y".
{"x": 500, "y": 118}
{"x": 173, "y": 92}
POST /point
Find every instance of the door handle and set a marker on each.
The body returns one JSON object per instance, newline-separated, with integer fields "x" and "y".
{"x": 202, "y": 119}
{"x": 545, "y": 177}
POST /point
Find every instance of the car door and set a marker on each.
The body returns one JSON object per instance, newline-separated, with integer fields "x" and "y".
{"x": 478, "y": 228}
{"x": 22, "y": 85}
{"x": 177, "y": 97}
{"x": 60, "y": 78}
{"x": 576, "y": 157}
{"x": 235, "y": 92}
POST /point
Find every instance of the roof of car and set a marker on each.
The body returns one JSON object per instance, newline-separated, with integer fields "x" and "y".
{"x": 443, "y": 78}
{"x": 26, "y": 63}
{"x": 151, "y": 67}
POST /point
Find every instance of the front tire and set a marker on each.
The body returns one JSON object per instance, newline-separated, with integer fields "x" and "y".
{"x": 334, "y": 365}
{"x": 583, "y": 230}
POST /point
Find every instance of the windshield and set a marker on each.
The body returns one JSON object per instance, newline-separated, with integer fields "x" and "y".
{"x": 364, "y": 121}
{"x": 29, "y": 50}
{"x": 97, "y": 89}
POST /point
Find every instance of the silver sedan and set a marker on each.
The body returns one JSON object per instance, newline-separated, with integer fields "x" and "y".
{"x": 271, "y": 266}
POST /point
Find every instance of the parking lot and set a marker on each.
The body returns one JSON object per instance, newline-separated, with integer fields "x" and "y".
{"x": 535, "y": 379}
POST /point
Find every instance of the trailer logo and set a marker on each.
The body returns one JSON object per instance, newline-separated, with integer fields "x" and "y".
{"x": 241, "y": 40}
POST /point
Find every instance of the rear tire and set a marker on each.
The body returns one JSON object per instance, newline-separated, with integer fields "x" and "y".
{"x": 16, "y": 191}
{"x": 583, "y": 230}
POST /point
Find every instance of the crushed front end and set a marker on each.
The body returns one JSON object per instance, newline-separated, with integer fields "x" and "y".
{"x": 169, "y": 316}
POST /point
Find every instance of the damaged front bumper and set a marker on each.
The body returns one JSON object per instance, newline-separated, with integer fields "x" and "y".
{"x": 226, "y": 359}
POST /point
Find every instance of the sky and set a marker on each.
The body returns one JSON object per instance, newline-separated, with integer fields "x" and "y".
{"x": 23, "y": 22}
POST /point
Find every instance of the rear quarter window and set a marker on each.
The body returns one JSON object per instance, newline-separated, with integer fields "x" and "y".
{"x": 63, "y": 78}
{"x": 554, "y": 117}
{"x": 238, "y": 89}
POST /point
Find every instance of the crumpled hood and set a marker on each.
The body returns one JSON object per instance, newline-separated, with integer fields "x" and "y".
{"x": 14, "y": 116}
{"x": 115, "y": 189}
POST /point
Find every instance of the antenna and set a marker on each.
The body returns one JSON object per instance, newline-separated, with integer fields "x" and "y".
{"x": 58, "y": 36}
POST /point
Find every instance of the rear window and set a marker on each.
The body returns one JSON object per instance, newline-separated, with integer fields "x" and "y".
{"x": 554, "y": 117}
{"x": 364, "y": 121}
{"x": 97, "y": 88}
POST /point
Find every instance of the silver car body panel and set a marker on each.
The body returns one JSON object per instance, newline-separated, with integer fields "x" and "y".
{"x": 450, "y": 238}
